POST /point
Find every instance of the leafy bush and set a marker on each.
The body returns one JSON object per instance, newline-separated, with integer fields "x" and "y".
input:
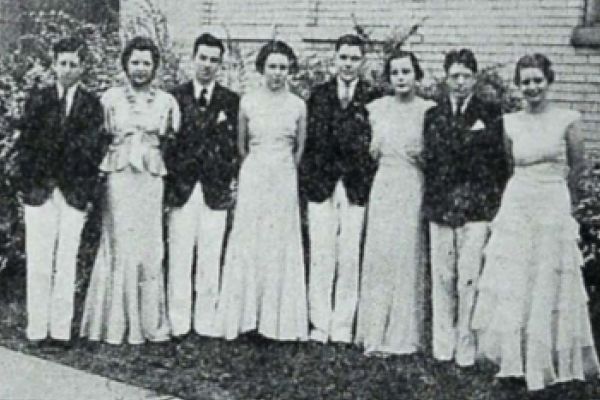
{"x": 28, "y": 66}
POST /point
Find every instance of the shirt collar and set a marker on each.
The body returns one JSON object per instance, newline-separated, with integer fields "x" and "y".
{"x": 198, "y": 88}
{"x": 454, "y": 101}
{"x": 70, "y": 92}
{"x": 341, "y": 84}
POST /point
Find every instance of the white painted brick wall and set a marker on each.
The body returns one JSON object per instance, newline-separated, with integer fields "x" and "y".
{"x": 498, "y": 31}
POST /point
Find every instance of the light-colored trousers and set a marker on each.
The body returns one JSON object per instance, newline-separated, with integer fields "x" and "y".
{"x": 335, "y": 229}
{"x": 456, "y": 262}
{"x": 52, "y": 236}
{"x": 194, "y": 225}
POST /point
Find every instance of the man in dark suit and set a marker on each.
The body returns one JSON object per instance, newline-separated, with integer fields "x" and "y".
{"x": 465, "y": 170}
{"x": 202, "y": 165}
{"x": 335, "y": 177}
{"x": 58, "y": 154}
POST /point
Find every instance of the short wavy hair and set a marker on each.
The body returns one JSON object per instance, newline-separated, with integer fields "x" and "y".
{"x": 209, "y": 40}
{"x": 350, "y": 40}
{"x": 143, "y": 44}
{"x": 462, "y": 56}
{"x": 536, "y": 60}
{"x": 398, "y": 53}
{"x": 69, "y": 45}
{"x": 276, "y": 47}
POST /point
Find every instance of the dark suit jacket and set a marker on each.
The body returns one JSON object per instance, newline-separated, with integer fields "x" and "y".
{"x": 337, "y": 144}
{"x": 465, "y": 169}
{"x": 60, "y": 151}
{"x": 204, "y": 149}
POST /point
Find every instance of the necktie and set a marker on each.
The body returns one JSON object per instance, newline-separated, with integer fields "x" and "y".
{"x": 460, "y": 102}
{"x": 346, "y": 98}
{"x": 202, "y": 99}
{"x": 63, "y": 107}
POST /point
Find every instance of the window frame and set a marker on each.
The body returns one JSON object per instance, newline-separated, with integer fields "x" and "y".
{"x": 588, "y": 34}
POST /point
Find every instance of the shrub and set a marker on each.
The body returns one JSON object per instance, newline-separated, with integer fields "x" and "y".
{"x": 28, "y": 66}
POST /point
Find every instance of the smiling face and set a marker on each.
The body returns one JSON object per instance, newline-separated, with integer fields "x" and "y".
{"x": 348, "y": 62}
{"x": 534, "y": 85}
{"x": 140, "y": 68}
{"x": 207, "y": 62}
{"x": 402, "y": 76}
{"x": 67, "y": 66}
{"x": 460, "y": 80}
{"x": 277, "y": 67}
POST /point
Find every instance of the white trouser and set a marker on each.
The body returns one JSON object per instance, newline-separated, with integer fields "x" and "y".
{"x": 52, "y": 236}
{"x": 194, "y": 225}
{"x": 335, "y": 228}
{"x": 456, "y": 261}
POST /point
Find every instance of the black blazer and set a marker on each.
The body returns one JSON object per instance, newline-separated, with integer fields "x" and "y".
{"x": 466, "y": 169}
{"x": 204, "y": 149}
{"x": 337, "y": 144}
{"x": 53, "y": 150}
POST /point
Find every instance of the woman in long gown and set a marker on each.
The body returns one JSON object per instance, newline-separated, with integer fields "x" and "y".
{"x": 390, "y": 310}
{"x": 126, "y": 291}
{"x": 531, "y": 315}
{"x": 263, "y": 284}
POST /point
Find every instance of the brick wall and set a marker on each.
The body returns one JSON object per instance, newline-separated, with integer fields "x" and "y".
{"x": 499, "y": 31}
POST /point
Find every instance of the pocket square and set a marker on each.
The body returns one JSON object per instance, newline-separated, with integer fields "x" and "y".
{"x": 478, "y": 125}
{"x": 221, "y": 117}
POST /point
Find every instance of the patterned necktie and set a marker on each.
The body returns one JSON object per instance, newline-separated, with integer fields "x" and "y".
{"x": 63, "y": 107}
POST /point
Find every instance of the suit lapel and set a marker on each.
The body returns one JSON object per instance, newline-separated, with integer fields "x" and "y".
{"x": 188, "y": 90}
{"x": 52, "y": 93}
{"x": 215, "y": 100}
{"x": 52, "y": 105}
{"x": 78, "y": 99}
{"x": 445, "y": 108}
{"x": 473, "y": 111}
{"x": 334, "y": 99}
{"x": 360, "y": 92}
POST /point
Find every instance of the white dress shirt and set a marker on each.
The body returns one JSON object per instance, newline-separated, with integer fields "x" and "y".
{"x": 198, "y": 89}
{"x": 454, "y": 102}
{"x": 346, "y": 89}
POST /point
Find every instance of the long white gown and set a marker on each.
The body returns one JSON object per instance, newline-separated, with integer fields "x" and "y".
{"x": 126, "y": 294}
{"x": 531, "y": 315}
{"x": 263, "y": 285}
{"x": 390, "y": 311}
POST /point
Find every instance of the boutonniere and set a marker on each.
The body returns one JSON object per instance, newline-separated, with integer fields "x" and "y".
{"x": 221, "y": 117}
{"x": 359, "y": 116}
{"x": 478, "y": 125}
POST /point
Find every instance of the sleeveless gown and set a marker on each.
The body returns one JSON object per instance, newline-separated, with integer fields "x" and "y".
{"x": 390, "y": 310}
{"x": 531, "y": 315}
{"x": 263, "y": 285}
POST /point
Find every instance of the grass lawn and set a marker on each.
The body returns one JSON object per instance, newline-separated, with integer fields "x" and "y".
{"x": 253, "y": 368}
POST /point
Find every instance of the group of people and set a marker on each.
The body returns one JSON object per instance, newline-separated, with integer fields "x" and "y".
{"x": 376, "y": 170}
